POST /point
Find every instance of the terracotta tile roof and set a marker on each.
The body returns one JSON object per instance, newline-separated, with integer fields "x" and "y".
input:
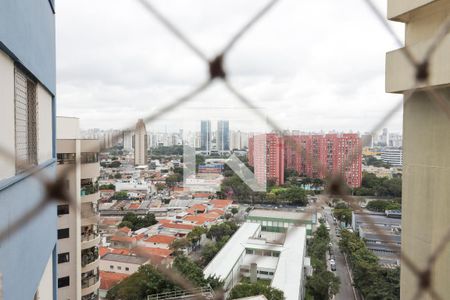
{"x": 164, "y": 221}
{"x": 212, "y": 215}
{"x": 201, "y": 195}
{"x": 140, "y": 236}
{"x": 124, "y": 229}
{"x": 109, "y": 280}
{"x": 199, "y": 219}
{"x": 134, "y": 206}
{"x": 217, "y": 211}
{"x": 162, "y": 239}
{"x": 150, "y": 251}
{"x": 218, "y": 203}
{"x": 104, "y": 250}
{"x": 179, "y": 226}
{"x": 109, "y": 221}
{"x": 199, "y": 207}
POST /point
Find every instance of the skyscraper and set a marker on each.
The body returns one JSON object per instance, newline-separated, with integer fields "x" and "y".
{"x": 140, "y": 143}
{"x": 223, "y": 135}
{"x": 128, "y": 140}
{"x": 205, "y": 136}
{"x": 78, "y": 235}
{"x": 28, "y": 255}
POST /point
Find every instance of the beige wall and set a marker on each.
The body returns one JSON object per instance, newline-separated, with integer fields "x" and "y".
{"x": 7, "y": 164}
{"x": 45, "y": 134}
{"x": 426, "y": 146}
{"x": 45, "y": 288}
{"x": 105, "y": 265}
{"x": 67, "y": 128}
{"x": 397, "y": 8}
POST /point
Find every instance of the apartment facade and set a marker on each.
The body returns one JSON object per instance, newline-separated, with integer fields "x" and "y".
{"x": 27, "y": 140}
{"x": 78, "y": 235}
{"x": 140, "y": 144}
{"x": 205, "y": 136}
{"x": 392, "y": 156}
{"x": 315, "y": 156}
{"x": 426, "y": 142}
{"x": 266, "y": 155}
{"x": 223, "y": 135}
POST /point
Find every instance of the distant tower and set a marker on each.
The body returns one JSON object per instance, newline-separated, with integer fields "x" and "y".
{"x": 140, "y": 143}
{"x": 205, "y": 136}
{"x": 223, "y": 135}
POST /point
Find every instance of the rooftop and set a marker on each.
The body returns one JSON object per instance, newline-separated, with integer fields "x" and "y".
{"x": 224, "y": 261}
{"x": 159, "y": 238}
{"x": 110, "y": 279}
{"x": 280, "y": 214}
{"x": 289, "y": 272}
{"x": 129, "y": 259}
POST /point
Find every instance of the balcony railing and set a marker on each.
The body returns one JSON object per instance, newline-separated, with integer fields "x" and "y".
{"x": 89, "y": 236}
{"x": 89, "y": 256}
{"x": 91, "y": 296}
{"x": 89, "y": 281}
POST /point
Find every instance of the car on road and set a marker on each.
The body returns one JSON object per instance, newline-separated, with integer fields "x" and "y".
{"x": 333, "y": 266}
{"x": 332, "y": 258}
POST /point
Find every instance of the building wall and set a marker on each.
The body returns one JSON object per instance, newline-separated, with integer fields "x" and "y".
{"x": 426, "y": 143}
{"x": 105, "y": 265}
{"x": 27, "y": 39}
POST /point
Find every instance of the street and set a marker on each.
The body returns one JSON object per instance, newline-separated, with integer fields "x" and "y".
{"x": 346, "y": 290}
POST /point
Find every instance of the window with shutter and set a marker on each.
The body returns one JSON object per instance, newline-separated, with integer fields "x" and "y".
{"x": 25, "y": 121}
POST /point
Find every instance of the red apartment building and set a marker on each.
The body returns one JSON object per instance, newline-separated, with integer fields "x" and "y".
{"x": 315, "y": 156}
{"x": 266, "y": 155}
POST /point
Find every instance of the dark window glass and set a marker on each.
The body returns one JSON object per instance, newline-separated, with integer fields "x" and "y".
{"x": 63, "y": 257}
{"x": 63, "y": 233}
{"x": 63, "y": 209}
{"x": 89, "y": 157}
{"x": 63, "y": 281}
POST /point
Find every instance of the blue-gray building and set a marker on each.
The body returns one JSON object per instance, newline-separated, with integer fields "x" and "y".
{"x": 27, "y": 140}
{"x": 205, "y": 136}
{"x": 223, "y": 135}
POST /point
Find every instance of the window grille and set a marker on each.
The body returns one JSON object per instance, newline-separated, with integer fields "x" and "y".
{"x": 25, "y": 121}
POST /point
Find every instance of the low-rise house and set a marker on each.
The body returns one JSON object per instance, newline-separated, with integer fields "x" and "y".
{"x": 118, "y": 263}
{"x": 158, "y": 241}
{"x": 108, "y": 280}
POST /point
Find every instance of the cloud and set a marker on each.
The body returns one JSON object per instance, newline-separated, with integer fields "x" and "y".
{"x": 308, "y": 65}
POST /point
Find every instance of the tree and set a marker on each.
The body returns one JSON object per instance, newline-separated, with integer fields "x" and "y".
{"x": 218, "y": 231}
{"x": 122, "y": 195}
{"x": 160, "y": 186}
{"x": 195, "y": 235}
{"x": 179, "y": 244}
{"x": 253, "y": 289}
{"x": 322, "y": 284}
{"x": 115, "y": 164}
{"x": 117, "y": 176}
{"x": 107, "y": 187}
{"x": 137, "y": 222}
{"x": 234, "y": 210}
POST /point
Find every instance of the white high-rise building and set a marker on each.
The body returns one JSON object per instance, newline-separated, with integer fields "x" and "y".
{"x": 78, "y": 236}
{"x": 392, "y": 156}
{"x": 128, "y": 140}
{"x": 140, "y": 143}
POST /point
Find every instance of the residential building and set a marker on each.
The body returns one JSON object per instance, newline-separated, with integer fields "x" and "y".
{"x": 140, "y": 144}
{"x": 223, "y": 135}
{"x": 249, "y": 253}
{"x": 392, "y": 156}
{"x": 119, "y": 263}
{"x": 128, "y": 140}
{"x": 367, "y": 140}
{"x": 28, "y": 254}
{"x": 238, "y": 140}
{"x": 78, "y": 235}
{"x": 266, "y": 155}
{"x": 205, "y": 136}
{"x": 314, "y": 155}
{"x": 426, "y": 141}
{"x": 395, "y": 140}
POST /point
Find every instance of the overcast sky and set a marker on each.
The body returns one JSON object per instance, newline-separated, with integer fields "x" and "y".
{"x": 309, "y": 65}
